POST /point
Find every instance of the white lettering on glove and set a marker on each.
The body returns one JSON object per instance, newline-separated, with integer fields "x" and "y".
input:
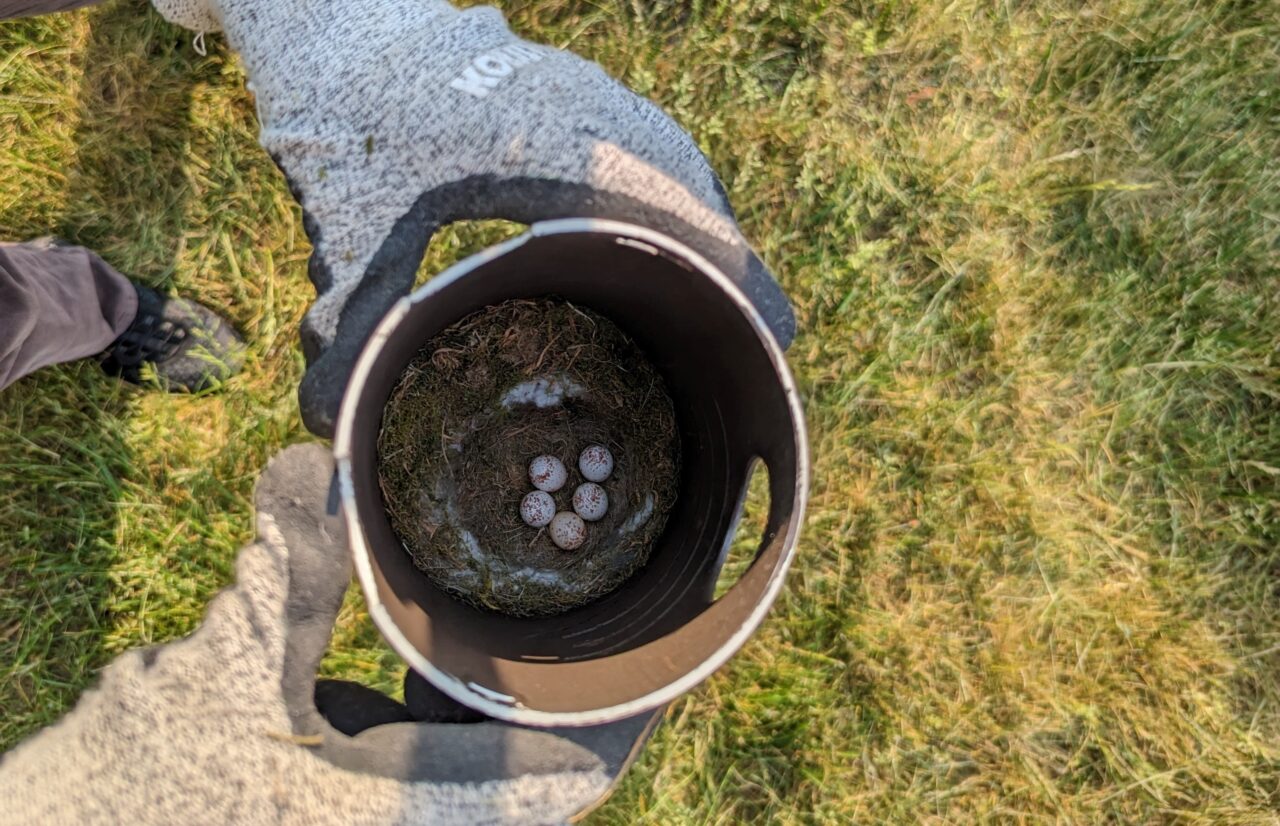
{"x": 487, "y": 70}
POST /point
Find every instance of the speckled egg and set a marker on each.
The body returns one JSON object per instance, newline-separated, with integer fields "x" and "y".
{"x": 568, "y": 531}
{"x": 590, "y": 501}
{"x": 596, "y": 463}
{"x": 548, "y": 473}
{"x": 537, "y": 509}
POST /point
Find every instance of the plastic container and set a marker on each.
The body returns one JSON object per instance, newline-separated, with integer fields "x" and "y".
{"x": 660, "y": 633}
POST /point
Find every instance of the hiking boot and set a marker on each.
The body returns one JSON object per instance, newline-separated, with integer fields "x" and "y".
{"x": 189, "y": 347}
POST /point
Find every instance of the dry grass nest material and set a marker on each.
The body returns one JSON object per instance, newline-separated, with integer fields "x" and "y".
{"x": 464, "y": 422}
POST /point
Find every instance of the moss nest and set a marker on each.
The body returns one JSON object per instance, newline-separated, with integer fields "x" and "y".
{"x": 480, "y": 401}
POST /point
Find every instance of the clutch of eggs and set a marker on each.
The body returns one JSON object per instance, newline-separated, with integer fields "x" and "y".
{"x": 590, "y": 501}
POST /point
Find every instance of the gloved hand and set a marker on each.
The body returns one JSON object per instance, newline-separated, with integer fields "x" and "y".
{"x": 392, "y": 118}
{"x": 221, "y": 727}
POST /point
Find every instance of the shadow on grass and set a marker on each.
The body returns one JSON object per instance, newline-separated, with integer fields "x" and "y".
{"x": 65, "y": 460}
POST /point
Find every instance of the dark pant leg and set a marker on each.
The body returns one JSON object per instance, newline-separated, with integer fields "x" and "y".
{"x": 57, "y": 304}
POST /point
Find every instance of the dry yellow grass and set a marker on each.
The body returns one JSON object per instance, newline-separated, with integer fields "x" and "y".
{"x": 1032, "y": 249}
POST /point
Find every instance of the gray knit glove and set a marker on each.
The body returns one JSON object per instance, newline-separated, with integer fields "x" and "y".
{"x": 221, "y": 727}
{"x": 392, "y": 118}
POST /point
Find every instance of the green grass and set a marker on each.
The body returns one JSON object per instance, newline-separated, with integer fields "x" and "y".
{"x": 1032, "y": 247}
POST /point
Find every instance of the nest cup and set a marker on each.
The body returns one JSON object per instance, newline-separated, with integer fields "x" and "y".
{"x": 661, "y": 632}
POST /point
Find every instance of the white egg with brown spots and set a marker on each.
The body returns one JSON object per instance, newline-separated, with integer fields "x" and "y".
{"x": 537, "y": 509}
{"x": 596, "y": 463}
{"x": 548, "y": 473}
{"x": 590, "y": 501}
{"x": 568, "y": 531}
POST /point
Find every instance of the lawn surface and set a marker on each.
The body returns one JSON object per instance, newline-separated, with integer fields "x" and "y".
{"x": 1032, "y": 248}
